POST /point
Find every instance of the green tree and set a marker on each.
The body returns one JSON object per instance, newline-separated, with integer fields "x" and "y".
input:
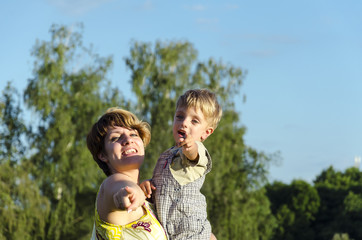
{"x": 22, "y": 207}
{"x": 237, "y": 204}
{"x": 295, "y": 206}
{"x": 341, "y": 196}
{"x": 68, "y": 92}
{"x": 12, "y": 126}
{"x": 160, "y": 73}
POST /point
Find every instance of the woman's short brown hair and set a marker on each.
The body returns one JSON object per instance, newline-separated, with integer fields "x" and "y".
{"x": 114, "y": 117}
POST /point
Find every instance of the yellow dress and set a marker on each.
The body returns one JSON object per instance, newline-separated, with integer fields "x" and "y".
{"x": 145, "y": 228}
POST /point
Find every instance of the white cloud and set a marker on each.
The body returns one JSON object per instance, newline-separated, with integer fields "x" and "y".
{"x": 270, "y": 38}
{"x": 207, "y": 20}
{"x": 147, "y": 5}
{"x": 232, "y": 6}
{"x": 77, "y": 7}
{"x": 261, "y": 53}
{"x": 196, "y": 7}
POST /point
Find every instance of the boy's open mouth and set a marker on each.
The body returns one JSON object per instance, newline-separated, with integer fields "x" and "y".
{"x": 181, "y": 134}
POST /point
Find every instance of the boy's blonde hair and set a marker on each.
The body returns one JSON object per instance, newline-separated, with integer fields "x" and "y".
{"x": 114, "y": 117}
{"x": 204, "y": 100}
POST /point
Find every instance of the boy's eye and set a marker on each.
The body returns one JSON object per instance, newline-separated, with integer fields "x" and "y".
{"x": 134, "y": 135}
{"x": 179, "y": 117}
{"x": 195, "y": 121}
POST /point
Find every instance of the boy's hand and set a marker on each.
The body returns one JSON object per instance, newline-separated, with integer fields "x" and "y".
{"x": 189, "y": 147}
{"x": 128, "y": 198}
{"x": 147, "y": 188}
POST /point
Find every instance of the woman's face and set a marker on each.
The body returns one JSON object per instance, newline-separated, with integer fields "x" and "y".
{"x": 124, "y": 149}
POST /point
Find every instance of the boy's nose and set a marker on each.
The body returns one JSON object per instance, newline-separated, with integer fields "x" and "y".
{"x": 184, "y": 124}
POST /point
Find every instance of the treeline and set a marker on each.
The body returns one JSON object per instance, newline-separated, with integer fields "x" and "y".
{"x": 48, "y": 179}
{"x": 331, "y": 208}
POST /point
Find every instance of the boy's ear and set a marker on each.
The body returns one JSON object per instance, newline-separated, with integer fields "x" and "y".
{"x": 102, "y": 157}
{"x": 207, "y": 133}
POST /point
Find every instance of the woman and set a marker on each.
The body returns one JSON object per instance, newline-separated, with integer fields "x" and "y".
{"x": 117, "y": 143}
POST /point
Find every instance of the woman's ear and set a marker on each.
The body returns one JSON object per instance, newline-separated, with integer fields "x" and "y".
{"x": 207, "y": 133}
{"x": 102, "y": 157}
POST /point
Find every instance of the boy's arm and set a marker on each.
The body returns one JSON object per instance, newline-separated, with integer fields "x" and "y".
{"x": 147, "y": 187}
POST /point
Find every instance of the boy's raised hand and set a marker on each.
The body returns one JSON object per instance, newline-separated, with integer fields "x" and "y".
{"x": 189, "y": 147}
{"x": 128, "y": 198}
{"x": 147, "y": 188}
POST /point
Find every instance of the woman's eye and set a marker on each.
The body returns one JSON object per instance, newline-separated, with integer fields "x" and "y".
{"x": 134, "y": 135}
{"x": 115, "y": 139}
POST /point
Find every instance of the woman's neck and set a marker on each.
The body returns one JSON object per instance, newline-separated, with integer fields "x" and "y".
{"x": 131, "y": 175}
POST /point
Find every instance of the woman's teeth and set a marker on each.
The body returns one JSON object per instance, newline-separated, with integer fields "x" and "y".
{"x": 129, "y": 151}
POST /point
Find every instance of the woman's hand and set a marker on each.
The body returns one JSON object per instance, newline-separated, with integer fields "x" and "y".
{"x": 129, "y": 198}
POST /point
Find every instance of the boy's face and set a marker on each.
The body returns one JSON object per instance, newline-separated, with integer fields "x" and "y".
{"x": 190, "y": 122}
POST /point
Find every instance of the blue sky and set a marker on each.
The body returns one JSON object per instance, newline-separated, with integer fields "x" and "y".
{"x": 303, "y": 61}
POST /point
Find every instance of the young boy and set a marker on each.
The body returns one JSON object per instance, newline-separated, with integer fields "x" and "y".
{"x": 180, "y": 171}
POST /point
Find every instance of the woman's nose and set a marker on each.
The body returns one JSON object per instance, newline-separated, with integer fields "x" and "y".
{"x": 127, "y": 140}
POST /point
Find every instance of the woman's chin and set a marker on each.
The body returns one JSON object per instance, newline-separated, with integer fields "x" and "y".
{"x": 133, "y": 162}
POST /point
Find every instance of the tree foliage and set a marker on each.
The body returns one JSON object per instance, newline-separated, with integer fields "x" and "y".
{"x": 12, "y": 127}
{"x": 295, "y": 207}
{"x": 341, "y": 196}
{"x": 329, "y": 209}
{"x": 68, "y": 91}
{"x": 22, "y": 206}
